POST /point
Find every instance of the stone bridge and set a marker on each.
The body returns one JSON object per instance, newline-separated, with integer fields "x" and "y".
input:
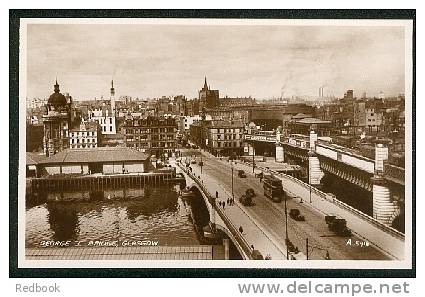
{"x": 229, "y": 221}
{"x": 218, "y": 220}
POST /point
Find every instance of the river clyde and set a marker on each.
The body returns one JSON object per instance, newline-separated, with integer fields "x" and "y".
{"x": 120, "y": 217}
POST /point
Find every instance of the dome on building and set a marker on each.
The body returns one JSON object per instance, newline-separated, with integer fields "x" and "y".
{"x": 57, "y": 99}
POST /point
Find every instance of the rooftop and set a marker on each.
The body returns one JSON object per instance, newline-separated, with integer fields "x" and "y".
{"x": 312, "y": 121}
{"x": 225, "y": 124}
{"x": 34, "y": 158}
{"x": 95, "y": 155}
{"x": 301, "y": 116}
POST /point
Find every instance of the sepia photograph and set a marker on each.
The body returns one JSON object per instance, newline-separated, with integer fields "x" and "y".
{"x": 215, "y": 143}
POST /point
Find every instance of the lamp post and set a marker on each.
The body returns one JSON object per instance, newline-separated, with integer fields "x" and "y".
{"x": 310, "y": 153}
{"x": 306, "y": 248}
{"x": 232, "y": 183}
{"x": 286, "y": 230}
{"x": 253, "y": 159}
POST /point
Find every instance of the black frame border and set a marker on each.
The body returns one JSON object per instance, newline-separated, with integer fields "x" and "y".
{"x": 14, "y": 20}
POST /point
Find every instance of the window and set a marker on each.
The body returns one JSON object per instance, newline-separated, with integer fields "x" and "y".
{"x": 110, "y": 128}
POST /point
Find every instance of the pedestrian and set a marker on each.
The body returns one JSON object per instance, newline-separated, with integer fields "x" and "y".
{"x": 252, "y": 247}
{"x": 228, "y": 201}
{"x": 327, "y": 257}
{"x": 224, "y": 204}
{"x": 216, "y": 194}
{"x": 241, "y": 229}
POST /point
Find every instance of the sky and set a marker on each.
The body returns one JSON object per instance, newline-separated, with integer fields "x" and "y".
{"x": 148, "y": 61}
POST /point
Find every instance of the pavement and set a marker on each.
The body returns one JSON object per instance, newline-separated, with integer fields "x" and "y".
{"x": 269, "y": 217}
{"x": 201, "y": 252}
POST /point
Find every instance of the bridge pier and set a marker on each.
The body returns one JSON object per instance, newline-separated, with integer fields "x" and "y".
{"x": 315, "y": 173}
{"x": 280, "y": 154}
{"x": 384, "y": 208}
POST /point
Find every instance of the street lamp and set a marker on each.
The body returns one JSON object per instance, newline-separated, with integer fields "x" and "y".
{"x": 233, "y": 196}
{"x": 253, "y": 159}
{"x": 286, "y": 229}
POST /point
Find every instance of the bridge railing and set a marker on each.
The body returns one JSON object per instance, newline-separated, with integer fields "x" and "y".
{"x": 394, "y": 172}
{"x": 343, "y": 205}
{"x": 232, "y": 228}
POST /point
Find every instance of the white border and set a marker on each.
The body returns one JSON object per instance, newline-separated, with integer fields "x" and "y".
{"x": 348, "y": 264}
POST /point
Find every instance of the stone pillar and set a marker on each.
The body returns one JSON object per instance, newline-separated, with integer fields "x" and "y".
{"x": 279, "y": 153}
{"x": 315, "y": 174}
{"x": 381, "y": 156}
{"x": 383, "y": 207}
{"x": 250, "y": 150}
{"x": 313, "y": 140}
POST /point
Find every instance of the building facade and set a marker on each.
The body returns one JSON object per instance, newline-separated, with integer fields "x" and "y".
{"x": 86, "y": 136}
{"x": 219, "y": 137}
{"x": 374, "y": 118}
{"x": 154, "y": 135}
{"x": 56, "y": 123}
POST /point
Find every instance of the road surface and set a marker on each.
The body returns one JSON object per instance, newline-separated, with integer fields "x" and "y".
{"x": 271, "y": 216}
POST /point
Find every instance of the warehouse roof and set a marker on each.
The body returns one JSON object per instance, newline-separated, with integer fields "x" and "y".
{"x": 96, "y": 155}
{"x": 34, "y": 158}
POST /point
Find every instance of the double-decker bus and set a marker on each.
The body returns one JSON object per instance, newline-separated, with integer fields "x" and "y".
{"x": 273, "y": 188}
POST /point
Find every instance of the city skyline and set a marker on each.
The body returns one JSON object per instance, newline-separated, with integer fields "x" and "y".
{"x": 148, "y": 61}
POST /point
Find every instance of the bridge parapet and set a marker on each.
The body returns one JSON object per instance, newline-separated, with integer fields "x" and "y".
{"x": 394, "y": 173}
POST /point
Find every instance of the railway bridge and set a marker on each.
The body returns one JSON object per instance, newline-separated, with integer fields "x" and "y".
{"x": 384, "y": 181}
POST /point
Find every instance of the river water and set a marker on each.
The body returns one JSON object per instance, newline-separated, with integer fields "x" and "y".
{"x": 155, "y": 214}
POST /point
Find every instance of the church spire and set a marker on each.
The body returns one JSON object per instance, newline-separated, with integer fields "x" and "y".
{"x": 56, "y": 86}
{"x": 112, "y": 88}
{"x": 205, "y": 84}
